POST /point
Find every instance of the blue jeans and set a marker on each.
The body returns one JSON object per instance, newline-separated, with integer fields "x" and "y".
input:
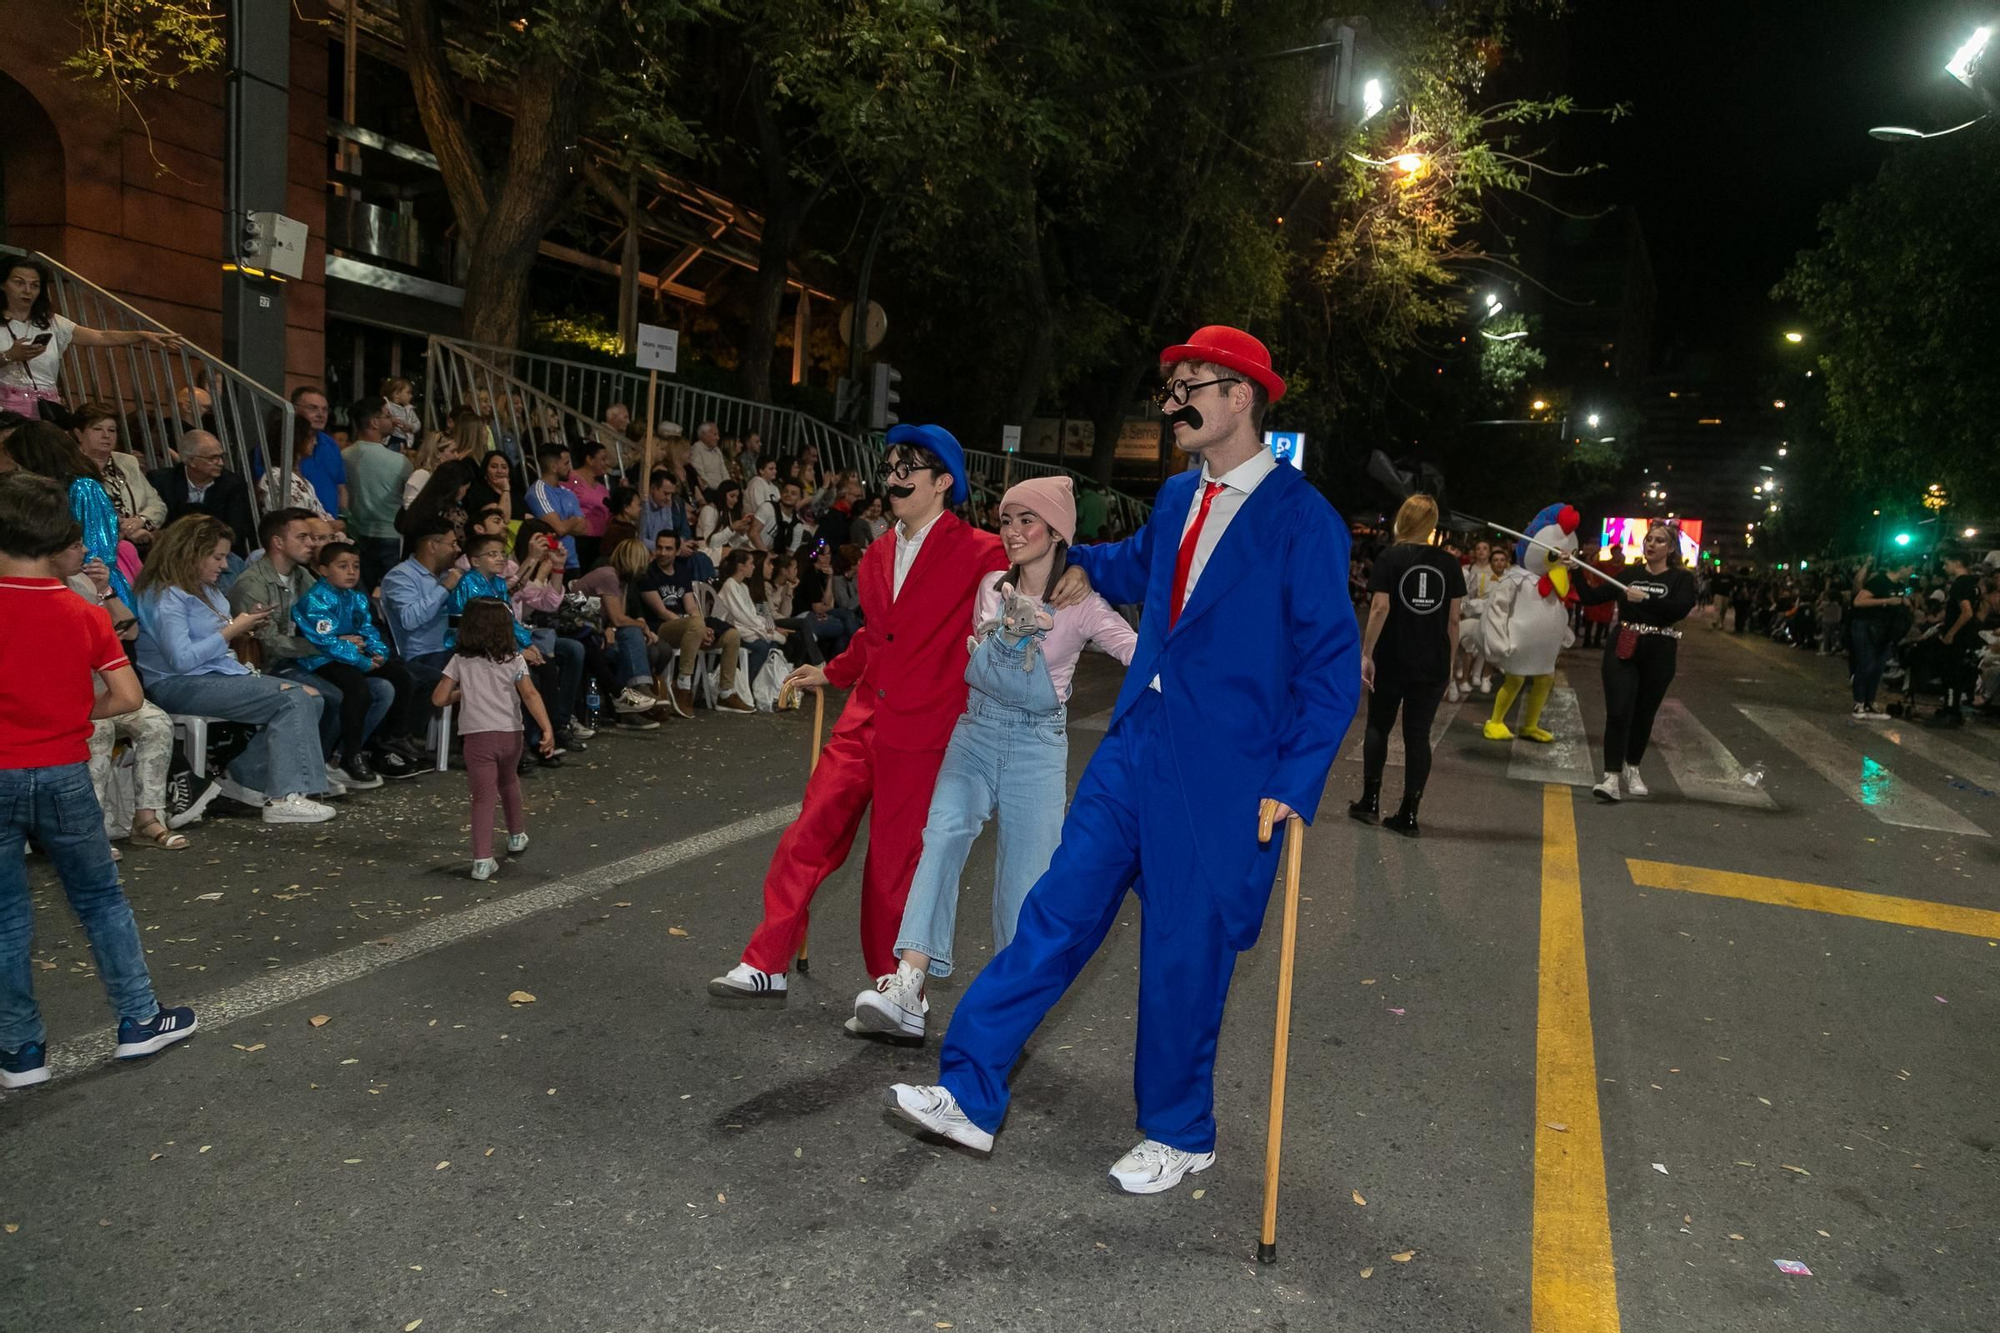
{"x": 284, "y": 757}
{"x": 1870, "y": 644}
{"x": 58, "y": 807}
{"x": 629, "y": 651}
{"x": 1003, "y": 757}
{"x": 378, "y": 555}
{"x": 381, "y": 697}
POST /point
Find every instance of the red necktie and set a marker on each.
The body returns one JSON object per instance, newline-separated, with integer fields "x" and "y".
{"x": 1185, "y": 560}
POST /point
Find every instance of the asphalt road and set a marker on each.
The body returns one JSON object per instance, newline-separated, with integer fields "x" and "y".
{"x": 1554, "y": 1065}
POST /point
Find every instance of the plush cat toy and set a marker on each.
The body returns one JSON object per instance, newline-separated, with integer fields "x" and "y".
{"x": 1526, "y": 624}
{"x": 1021, "y": 618}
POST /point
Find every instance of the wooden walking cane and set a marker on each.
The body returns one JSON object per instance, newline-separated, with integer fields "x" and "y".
{"x": 1267, "y": 1245}
{"x": 819, "y": 722}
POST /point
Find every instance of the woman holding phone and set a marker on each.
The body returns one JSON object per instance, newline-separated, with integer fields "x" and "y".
{"x": 36, "y": 338}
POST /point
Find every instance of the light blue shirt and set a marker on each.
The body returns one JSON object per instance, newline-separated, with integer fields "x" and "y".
{"x": 180, "y": 634}
{"x": 416, "y": 605}
{"x": 546, "y": 499}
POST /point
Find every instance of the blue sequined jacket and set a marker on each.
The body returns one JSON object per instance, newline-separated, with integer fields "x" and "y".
{"x": 476, "y": 584}
{"x": 91, "y": 507}
{"x": 326, "y": 613}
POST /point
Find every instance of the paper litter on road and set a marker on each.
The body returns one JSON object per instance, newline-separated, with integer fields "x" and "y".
{"x": 1660, "y": 1167}
{"x": 1793, "y": 1267}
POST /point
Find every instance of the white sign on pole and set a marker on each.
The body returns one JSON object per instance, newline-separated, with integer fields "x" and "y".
{"x": 1010, "y": 439}
{"x": 659, "y": 349}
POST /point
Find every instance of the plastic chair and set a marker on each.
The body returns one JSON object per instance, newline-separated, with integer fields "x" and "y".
{"x": 191, "y": 729}
{"x": 437, "y": 733}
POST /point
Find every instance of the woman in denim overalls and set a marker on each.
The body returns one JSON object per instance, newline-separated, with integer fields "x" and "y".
{"x": 1009, "y": 753}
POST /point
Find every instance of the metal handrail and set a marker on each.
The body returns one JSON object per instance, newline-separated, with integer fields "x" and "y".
{"x": 992, "y": 474}
{"x": 160, "y": 389}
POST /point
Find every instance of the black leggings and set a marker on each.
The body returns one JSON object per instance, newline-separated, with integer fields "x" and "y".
{"x": 1419, "y": 704}
{"x": 352, "y": 682}
{"x": 1633, "y": 689}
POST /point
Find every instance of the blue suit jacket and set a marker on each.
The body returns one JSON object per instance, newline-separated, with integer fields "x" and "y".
{"x": 1259, "y": 677}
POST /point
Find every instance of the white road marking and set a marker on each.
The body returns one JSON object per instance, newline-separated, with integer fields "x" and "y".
{"x": 1567, "y": 758}
{"x": 272, "y": 989}
{"x": 1958, "y": 760}
{"x": 1861, "y": 779}
{"x": 1702, "y": 766}
{"x": 1447, "y": 713}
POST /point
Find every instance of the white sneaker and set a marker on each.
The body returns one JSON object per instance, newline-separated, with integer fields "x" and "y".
{"x": 1454, "y": 691}
{"x": 935, "y": 1109}
{"x": 1860, "y": 713}
{"x": 516, "y": 843}
{"x": 1874, "y": 714}
{"x": 582, "y": 732}
{"x": 1634, "y": 784}
{"x": 336, "y": 781}
{"x": 239, "y": 793}
{"x": 296, "y": 809}
{"x": 896, "y": 1005}
{"x": 1486, "y": 684}
{"x": 485, "y": 867}
{"x": 1153, "y": 1167}
{"x": 744, "y": 982}
{"x": 1607, "y": 790}
{"x": 631, "y": 700}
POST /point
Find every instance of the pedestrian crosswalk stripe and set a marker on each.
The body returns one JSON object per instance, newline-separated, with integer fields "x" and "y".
{"x": 1702, "y": 766}
{"x": 1565, "y": 759}
{"x": 1957, "y": 760}
{"x": 1880, "y": 792}
{"x": 1446, "y": 713}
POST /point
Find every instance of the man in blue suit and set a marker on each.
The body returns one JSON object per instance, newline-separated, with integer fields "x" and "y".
{"x": 1242, "y": 686}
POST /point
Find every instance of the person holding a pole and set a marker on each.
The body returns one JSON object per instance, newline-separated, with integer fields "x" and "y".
{"x": 1244, "y": 681}
{"x": 1639, "y": 663}
{"x": 905, "y": 669}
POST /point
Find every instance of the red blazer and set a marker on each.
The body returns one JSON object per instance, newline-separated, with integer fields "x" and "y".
{"x": 908, "y": 661}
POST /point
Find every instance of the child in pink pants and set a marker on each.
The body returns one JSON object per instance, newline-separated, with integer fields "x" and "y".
{"x": 488, "y": 680}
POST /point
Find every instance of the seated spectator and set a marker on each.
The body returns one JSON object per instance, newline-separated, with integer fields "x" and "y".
{"x": 868, "y": 524}
{"x": 495, "y": 489}
{"x": 555, "y": 504}
{"x": 846, "y": 587}
{"x": 586, "y": 483}
{"x": 323, "y": 468}
{"x": 141, "y": 511}
{"x": 148, "y": 733}
{"x": 300, "y": 495}
{"x": 725, "y": 524}
{"x": 49, "y": 451}
{"x": 733, "y": 603}
{"x": 489, "y": 573}
{"x": 576, "y": 648}
{"x": 350, "y": 655}
{"x": 416, "y": 598}
{"x": 786, "y": 527}
{"x": 663, "y": 510}
{"x": 623, "y": 525}
{"x": 627, "y": 637}
{"x": 761, "y": 491}
{"x": 202, "y": 485}
{"x": 434, "y": 449}
{"x": 375, "y": 477}
{"x": 185, "y": 630}
{"x": 443, "y": 497}
{"x": 816, "y": 606}
{"x": 666, "y": 596}
{"x": 780, "y": 581}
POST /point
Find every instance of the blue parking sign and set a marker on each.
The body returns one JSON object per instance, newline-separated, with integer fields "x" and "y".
{"x": 1287, "y": 446}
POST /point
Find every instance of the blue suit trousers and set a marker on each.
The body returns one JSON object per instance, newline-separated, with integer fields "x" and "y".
{"x": 1185, "y": 965}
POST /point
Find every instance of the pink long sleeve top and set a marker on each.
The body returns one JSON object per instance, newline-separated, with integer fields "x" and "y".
{"x": 1091, "y": 621}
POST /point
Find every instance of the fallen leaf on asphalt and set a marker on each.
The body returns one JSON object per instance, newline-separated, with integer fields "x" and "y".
{"x": 798, "y": 1152}
{"x": 206, "y": 897}
{"x": 1359, "y": 1200}
{"x": 1827, "y": 1234}
{"x": 1734, "y": 1236}
{"x": 1367, "y": 981}
{"x": 489, "y": 1152}
{"x": 1368, "y": 1272}
{"x": 1746, "y": 1164}
{"x": 721, "y": 1198}
{"x": 411, "y": 1327}
{"x": 320, "y": 1020}
{"x": 942, "y": 1323}
{"x": 241, "y": 1047}
{"x": 1801, "y": 1170}
{"x": 156, "y": 1157}
{"x": 13, "y": 1227}
{"x": 1558, "y": 1127}
{"x": 520, "y": 997}
{"x": 416, "y": 1268}
{"x": 676, "y": 930}
{"x": 621, "y": 904}
{"x": 206, "y": 1146}
{"x": 350, "y": 1060}
{"x": 1404, "y": 1256}
{"x": 552, "y": 1092}
{"x": 350, "y": 1161}
{"x": 441, "y": 1166}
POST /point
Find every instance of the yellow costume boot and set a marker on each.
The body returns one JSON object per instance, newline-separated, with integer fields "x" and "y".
{"x": 1503, "y": 700}
{"x": 1531, "y": 714}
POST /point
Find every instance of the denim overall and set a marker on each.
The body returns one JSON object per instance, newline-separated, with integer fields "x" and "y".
{"x": 1009, "y": 752}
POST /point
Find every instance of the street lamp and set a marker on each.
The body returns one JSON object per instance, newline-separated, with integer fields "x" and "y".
{"x": 1408, "y": 163}
{"x": 1371, "y": 100}
{"x": 1965, "y": 60}
{"x": 1593, "y": 419}
{"x": 1540, "y": 405}
{"x": 1904, "y": 134}
{"x": 1795, "y": 336}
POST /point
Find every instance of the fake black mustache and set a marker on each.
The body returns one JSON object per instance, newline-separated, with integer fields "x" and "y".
{"x": 901, "y": 492}
{"x": 1189, "y": 414}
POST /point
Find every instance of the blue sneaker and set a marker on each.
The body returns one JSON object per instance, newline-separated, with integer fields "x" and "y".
{"x": 163, "y": 1030}
{"x": 26, "y": 1067}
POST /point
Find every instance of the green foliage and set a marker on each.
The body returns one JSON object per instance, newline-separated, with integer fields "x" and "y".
{"x": 1506, "y": 362}
{"x": 1901, "y": 303}
{"x": 133, "y": 45}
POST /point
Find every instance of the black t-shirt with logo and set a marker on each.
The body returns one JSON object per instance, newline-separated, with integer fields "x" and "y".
{"x": 1877, "y": 585}
{"x": 1422, "y": 582}
{"x": 673, "y": 586}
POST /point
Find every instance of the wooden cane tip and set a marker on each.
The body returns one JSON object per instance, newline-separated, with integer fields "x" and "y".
{"x": 1267, "y": 1252}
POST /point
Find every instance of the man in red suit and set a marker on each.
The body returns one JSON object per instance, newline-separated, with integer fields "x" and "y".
{"x": 906, "y": 673}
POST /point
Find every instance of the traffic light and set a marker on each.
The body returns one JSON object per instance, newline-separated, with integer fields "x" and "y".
{"x": 883, "y": 396}
{"x": 1902, "y": 539}
{"x": 846, "y": 401}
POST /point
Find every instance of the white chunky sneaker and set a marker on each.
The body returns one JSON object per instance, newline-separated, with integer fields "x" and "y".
{"x": 1153, "y": 1167}
{"x": 744, "y": 982}
{"x": 1634, "y": 784}
{"x": 896, "y": 1005}
{"x": 485, "y": 867}
{"x": 935, "y": 1109}
{"x": 296, "y": 809}
{"x": 516, "y": 843}
{"x": 1454, "y": 691}
{"x": 1607, "y": 790}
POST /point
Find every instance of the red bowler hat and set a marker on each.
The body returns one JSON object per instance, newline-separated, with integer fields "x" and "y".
{"x": 1223, "y": 346}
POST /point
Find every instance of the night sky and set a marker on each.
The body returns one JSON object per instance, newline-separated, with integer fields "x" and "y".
{"x": 1748, "y": 116}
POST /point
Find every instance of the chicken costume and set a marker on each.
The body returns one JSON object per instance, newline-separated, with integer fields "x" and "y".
{"x": 1526, "y": 624}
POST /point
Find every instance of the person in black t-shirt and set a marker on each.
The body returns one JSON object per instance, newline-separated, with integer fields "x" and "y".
{"x": 1873, "y": 627}
{"x": 1414, "y": 594}
{"x": 1953, "y": 655}
{"x": 1639, "y": 663}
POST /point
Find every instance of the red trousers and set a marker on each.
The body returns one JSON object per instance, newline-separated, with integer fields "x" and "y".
{"x": 856, "y": 776}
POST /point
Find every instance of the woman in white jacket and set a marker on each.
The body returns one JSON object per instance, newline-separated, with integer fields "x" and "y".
{"x": 734, "y": 604}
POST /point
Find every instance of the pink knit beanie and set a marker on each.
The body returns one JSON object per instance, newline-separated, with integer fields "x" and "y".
{"x": 1052, "y": 498}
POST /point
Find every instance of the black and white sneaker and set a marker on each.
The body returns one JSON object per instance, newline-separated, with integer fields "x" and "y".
{"x": 1154, "y": 1167}
{"x": 26, "y": 1067}
{"x": 188, "y": 798}
{"x": 389, "y": 764}
{"x": 744, "y": 982}
{"x": 164, "y": 1029}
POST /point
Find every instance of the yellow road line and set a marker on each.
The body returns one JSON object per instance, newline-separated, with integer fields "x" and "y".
{"x": 1816, "y": 898}
{"x": 1574, "y": 1287}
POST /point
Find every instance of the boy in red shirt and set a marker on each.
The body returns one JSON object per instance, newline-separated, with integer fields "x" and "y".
{"x": 54, "y": 647}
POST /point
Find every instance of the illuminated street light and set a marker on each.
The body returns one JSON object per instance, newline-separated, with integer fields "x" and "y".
{"x": 1371, "y": 100}
{"x": 1593, "y": 419}
{"x": 1966, "y": 58}
{"x": 1540, "y": 405}
{"x": 1795, "y": 337}
{"x": 1904, "y": 134}
{"x": 1503, "y": 337}
{"x": 1970, "y": 532}
{"x": 1778, "y": 403}
{"x": 1408, "y": 163}
{"x": 1781, "y": 451}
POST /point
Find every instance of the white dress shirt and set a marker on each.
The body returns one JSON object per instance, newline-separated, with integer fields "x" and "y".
{"x": 1237, "y": 484}
{"x": 906, "y": 553}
